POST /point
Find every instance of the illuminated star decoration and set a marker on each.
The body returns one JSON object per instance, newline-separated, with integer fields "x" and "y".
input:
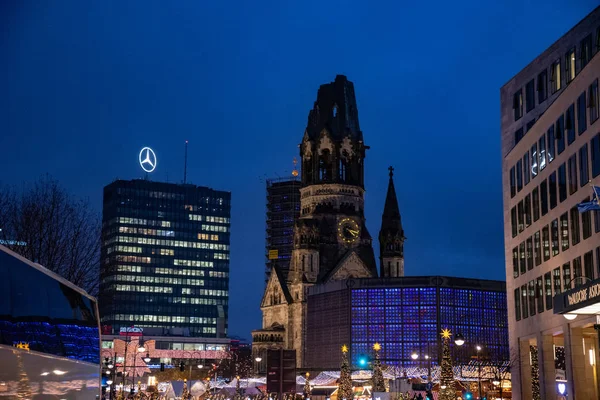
{"x": 376, "y": 347}
{"x": 446, "y": 333}
{"x": 344, "y": 349}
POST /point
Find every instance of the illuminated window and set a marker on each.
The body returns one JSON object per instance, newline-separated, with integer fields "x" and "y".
{"x": 570, "y": 65}
{"x": 518, "y": 104}
{"x": 555, "y": 76}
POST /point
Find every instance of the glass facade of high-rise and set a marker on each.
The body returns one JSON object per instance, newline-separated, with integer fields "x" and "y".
{"x": 405, "y": 316}
{"x": 165, "y": 257}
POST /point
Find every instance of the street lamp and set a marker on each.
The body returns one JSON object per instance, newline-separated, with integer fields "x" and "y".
{"x": 478, "y": 348}
{"x": 414, "y": 355}
{"x": 147, "y": 358}
{"x": 258, "y": 359}
{"x": 459, "y": 339}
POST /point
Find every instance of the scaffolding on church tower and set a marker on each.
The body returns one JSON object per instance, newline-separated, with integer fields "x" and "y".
{"x": 282, "y": 209}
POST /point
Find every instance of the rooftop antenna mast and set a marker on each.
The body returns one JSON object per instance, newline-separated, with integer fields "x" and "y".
{"x": 185, "y": 164}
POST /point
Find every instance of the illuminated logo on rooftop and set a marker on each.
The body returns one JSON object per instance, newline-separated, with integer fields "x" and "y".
{"x": 147, "y": 159}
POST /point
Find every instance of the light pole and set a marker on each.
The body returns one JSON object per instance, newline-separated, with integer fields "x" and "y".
{"x": 478, "y": 348}
{"x": 258, "y": 360}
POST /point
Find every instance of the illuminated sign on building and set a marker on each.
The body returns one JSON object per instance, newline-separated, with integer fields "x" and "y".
{"x": 131, "y": 331}
{"x": 147, "y": 159}
{"x": 22, "y": 345}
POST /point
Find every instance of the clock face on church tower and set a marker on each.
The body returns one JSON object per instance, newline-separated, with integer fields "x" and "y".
{"x": 348, "y": 230}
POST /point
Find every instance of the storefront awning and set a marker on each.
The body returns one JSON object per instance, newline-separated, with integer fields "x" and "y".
{"x": 584, "y": 299}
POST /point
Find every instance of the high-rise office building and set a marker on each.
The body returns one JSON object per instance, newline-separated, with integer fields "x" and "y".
{"x": 283, "y": 208}
{"x": 550, "y": 151}
{"x": 165, "y": 258}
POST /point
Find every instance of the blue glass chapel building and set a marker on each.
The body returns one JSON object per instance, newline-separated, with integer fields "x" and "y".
{"x": 405, "y": 315}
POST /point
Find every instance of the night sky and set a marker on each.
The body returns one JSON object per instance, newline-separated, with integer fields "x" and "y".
{"x": 85, "y": 85}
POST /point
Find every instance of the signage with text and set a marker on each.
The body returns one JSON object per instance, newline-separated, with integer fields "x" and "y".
{"x": 131, "y": 331}
{"x": 577, "y": 298}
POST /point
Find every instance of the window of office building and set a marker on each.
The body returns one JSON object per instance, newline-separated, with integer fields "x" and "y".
{"x": 527, "y": 210}
{"x": 526, "y": 170}
{"x": 535, "y": 194}
{"x": 572, "y": 164}
{"x": 530, "y": 253}
{"x": 588, "y": 264}
{"x": 544, "y": 196}
{"x": 529, "y": 125}
{"x": 586, "y": 222}
{"x": 542, "y": 152}
{"x": 534, "y": 161}
{"x": 542, "y": 86}
{"x": 566, "y": 276}
{"x": 597, "y": 226}
{"x": 570, "y": 65}
{"x": 513, "y": 221}
{"x": 570, "y": 124}
{"x": 524, "y": 305}
{"x": 520, "y": 216}
{"x": 593, "y": 101}
{"x": 564, "y": 231}
{"x": 551, "y": 144}
{"x": 519, "y": 176}
{"x": 515, "y": 254}
{"x": 530, "y": 96}
{"x": 513, "y": 184}
{"x": 518, "y": 104}
{"x": 522, "y": 265}
{"x": 595, "y": 150}
{"x": 559, "y": 132}
{"x": 556, "y": 280}
{"x": 583, "y": 165}
{"x": 532, "y": 296}
{"x": 555, "y": 76}
{"x": 539, "y": 294}
{"x": 518, "y": 304}
{"x": 537, "y": 244}
{"x": 546, "y": 242}
{"x": 585, "y": 50}
{"x": 548, "y": 290}
{"x": 581, "y": 113}
{"x": 552, "y": 190}
{"x": 577, "y": 271}
{"x": 562, "y": 182}
{"x": 519, "y": 135}
{"x": 554, "y": 231}
{"x": 574, "y": 226}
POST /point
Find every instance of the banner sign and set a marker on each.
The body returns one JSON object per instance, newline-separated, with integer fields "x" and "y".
{"x": 131, "y": 331}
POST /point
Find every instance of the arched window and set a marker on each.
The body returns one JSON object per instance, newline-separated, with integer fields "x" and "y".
{"x": 325, "y": 166}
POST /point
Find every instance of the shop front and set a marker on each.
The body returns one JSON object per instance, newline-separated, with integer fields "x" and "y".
{"x": 580, "y": 307}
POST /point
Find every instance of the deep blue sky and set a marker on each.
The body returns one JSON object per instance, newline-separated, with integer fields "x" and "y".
{"x": 85, "y": 85}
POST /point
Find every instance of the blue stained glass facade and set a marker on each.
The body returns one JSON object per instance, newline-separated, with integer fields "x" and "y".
{"x": 409, "y": 319}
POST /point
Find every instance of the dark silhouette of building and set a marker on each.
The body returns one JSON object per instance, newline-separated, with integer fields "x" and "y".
{"x": 165, "y": 258}
{"x": 283, "y": 208}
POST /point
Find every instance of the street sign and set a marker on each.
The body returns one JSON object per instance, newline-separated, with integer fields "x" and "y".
{"x": 281, "y": 371}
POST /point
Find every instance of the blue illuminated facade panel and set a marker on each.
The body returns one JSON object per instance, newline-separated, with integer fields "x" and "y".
{"x": 405, "y": 320}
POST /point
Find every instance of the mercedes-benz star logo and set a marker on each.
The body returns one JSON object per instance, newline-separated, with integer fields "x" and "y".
{"x": 147, "y": 159}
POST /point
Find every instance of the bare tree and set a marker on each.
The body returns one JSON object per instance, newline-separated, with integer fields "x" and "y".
{"x": 500, "y": 370}
{"x": 47, "y": 225}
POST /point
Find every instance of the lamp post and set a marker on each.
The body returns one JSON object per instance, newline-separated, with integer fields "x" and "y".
{"x": 258, "y": 360}
{"x": 478, "y": 348}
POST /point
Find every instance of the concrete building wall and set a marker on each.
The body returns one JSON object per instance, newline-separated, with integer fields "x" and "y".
{"x": 545, "y": 329}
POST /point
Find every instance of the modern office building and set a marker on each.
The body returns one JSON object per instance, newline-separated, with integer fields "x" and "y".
{"x": 550, "y": 151}
{"x": 405, "y": 315}
{"x": 283, "y": 208}
{"x": 165, "y": 258}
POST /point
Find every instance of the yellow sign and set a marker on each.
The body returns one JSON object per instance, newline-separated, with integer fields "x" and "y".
{"x": 22, "y": 345}
{"x": 273, "y": 254}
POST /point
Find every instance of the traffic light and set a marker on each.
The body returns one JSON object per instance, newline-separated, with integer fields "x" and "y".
{"x": 468, "y": 396}
{"x": 362, "y": 361}
{"x": 181, "y": 366}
